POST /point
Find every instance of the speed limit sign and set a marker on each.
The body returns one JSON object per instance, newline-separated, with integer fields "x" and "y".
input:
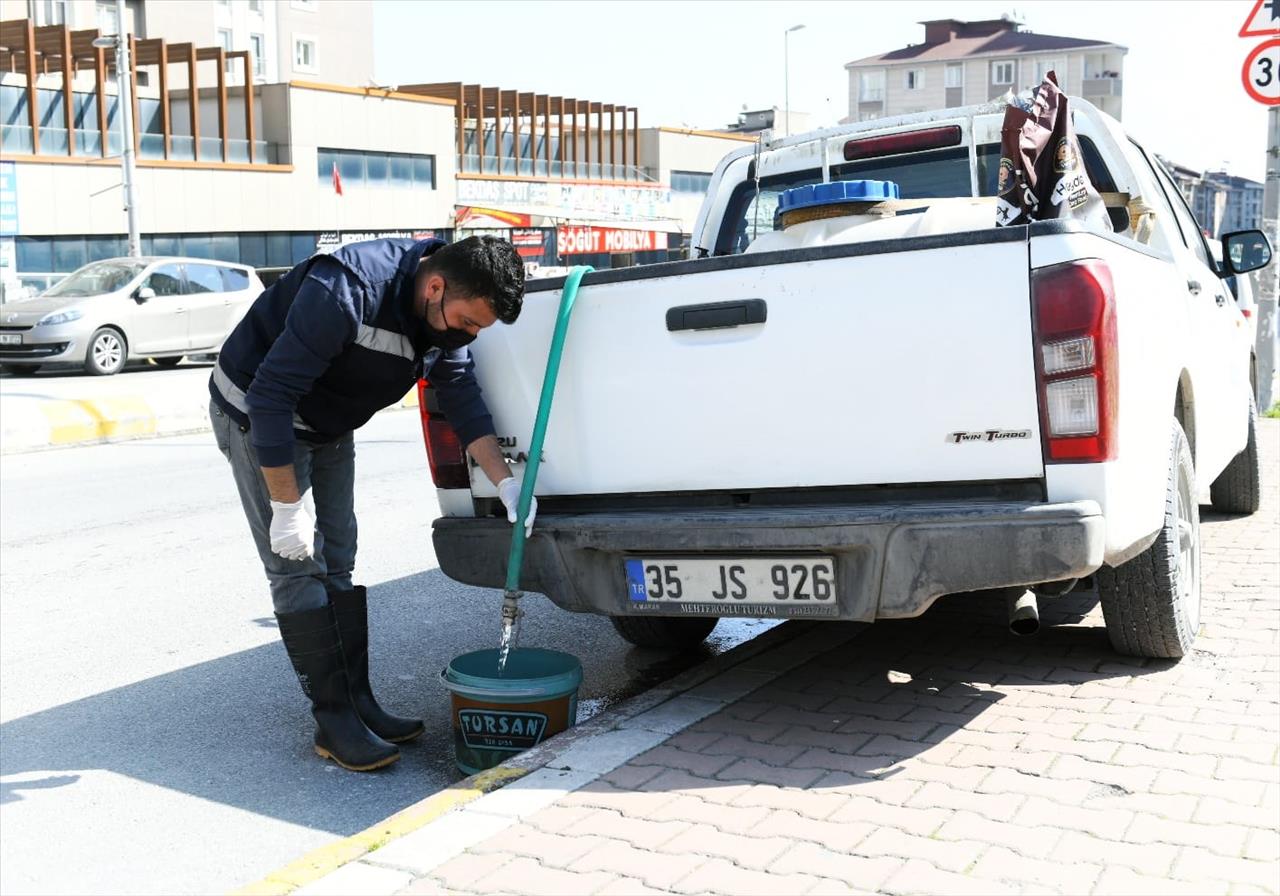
{"x": 1261, "y": 73}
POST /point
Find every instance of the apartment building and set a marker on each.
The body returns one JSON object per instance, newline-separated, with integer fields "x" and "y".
{"x": 317, "y": 40}
{"x": 964, "y": 63}
{"x": 1221, "y": 202}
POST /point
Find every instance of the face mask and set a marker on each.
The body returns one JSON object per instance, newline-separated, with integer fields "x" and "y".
{"x": 450, "y": 338}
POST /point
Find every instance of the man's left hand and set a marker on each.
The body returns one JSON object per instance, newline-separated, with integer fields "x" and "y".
{"x": 509, "y": 492}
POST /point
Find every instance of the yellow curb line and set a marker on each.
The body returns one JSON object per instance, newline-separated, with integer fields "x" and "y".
{"x": 322, "y": 861}
{"x": 83, "y": 420}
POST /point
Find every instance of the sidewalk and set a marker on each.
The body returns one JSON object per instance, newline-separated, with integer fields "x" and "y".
{"x": 41, "y": 412}
{"x": 933, "y": 755}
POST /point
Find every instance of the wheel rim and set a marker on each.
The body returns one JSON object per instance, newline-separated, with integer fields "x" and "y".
{"x": 107, "y": 351}
{"x": 1188, "y": 536}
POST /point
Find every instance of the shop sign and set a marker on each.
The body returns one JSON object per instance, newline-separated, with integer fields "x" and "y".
{"x": 594, "y": 240}
{"x": 471, "y": 217}
{"x": 529, "y": 243}
{"x": 331, "y": 240}
{"x": 571, "y": 199}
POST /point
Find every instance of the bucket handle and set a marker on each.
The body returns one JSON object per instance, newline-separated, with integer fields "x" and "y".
{"x": 504, "y": 693}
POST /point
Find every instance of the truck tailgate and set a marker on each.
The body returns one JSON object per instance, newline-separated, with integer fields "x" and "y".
{"x": 909, "y": 366}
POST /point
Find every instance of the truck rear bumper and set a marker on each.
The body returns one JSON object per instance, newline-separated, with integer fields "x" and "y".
{"x": 892, "y": 560}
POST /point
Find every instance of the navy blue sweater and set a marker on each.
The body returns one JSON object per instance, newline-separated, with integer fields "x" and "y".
{"x": 334, "y": 341}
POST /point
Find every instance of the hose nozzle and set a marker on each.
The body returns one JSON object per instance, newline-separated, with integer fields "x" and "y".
{"x": 511, "y": 606}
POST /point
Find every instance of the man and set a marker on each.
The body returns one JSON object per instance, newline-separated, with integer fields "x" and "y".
{"x": 335, "y": 340}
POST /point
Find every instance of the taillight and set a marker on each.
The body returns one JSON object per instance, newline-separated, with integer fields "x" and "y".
{"x": 910, "y": 141}
{"x": 1074, "y": 312}
{"x": 1247, "y": 312}
{"x": 445, "y": 455}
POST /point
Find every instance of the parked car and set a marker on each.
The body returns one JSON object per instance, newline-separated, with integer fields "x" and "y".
{"x": 112, "y": 311}
{"x": 850, "y": 423}
{"x": 1241, "y": 286}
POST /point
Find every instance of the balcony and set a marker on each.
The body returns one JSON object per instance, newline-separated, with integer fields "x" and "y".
{"x": 1095, "y": 86}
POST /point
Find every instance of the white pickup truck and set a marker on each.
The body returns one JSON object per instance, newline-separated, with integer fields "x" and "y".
{"x": 851, "y": 427}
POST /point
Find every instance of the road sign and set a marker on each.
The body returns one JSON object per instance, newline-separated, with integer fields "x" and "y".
{"x": 1261, "y": 72}
{"x": 1264, "y": 21}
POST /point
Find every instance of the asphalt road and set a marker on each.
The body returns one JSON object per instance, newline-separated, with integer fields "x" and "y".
{"x": 152, "y": 736}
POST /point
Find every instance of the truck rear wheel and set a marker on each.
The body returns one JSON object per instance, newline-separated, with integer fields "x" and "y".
{"x": 1152, "y": 603}
{"x": 664, "y": 631}
{"x": 1238, "y": 489}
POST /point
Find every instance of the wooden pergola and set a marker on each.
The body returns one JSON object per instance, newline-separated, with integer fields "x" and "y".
{"x": 54, "y": 49}
{"x": 480, "y": 104}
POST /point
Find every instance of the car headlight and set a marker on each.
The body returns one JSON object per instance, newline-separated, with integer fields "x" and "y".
{"x": 60, "y": 317}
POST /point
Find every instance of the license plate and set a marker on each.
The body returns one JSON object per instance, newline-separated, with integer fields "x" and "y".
{"x": 10, "y": 339}
{"x": 733, "y": 586}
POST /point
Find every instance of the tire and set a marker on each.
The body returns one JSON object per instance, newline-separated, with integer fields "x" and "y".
{"x": 1238, "y": 489}
{"x": 20, "y": 369}
{"x": 171, "y": 361}
{"x": 106, "y": 353}
{"x": 1152, "y": 603}
{"x": 664, "y": 631}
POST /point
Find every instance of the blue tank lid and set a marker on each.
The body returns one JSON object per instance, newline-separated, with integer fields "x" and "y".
{"x": 840, "y": 191}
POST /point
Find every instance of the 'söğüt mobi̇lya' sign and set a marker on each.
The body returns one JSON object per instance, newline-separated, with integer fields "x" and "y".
{"x": 593, "y": 240}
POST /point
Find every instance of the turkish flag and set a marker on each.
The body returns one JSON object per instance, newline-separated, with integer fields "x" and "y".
{"x": 337, "y": 180}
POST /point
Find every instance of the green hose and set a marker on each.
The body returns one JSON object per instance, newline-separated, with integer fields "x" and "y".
{"x": 515, "y": 560}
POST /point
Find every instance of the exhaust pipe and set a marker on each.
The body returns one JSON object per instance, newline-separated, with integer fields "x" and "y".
{"x": 1024, "y": 613}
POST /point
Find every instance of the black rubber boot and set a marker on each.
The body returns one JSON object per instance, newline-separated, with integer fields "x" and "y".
{"x": 311, "y": 639}
{"x": 351, "y": 610}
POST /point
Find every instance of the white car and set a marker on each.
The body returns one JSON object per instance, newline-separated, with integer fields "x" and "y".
{"x": 847, "y": 419}
{"x": 118, "y": 309}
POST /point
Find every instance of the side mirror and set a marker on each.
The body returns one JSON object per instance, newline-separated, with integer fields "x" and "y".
{"x": 143, "y": 294}
{"x": 1244, "y": 251}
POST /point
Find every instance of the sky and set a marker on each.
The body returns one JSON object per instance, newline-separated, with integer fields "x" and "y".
{"x": 696, "y": 64}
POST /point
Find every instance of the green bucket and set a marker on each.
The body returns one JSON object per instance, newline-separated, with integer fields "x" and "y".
{"x": 495, "y": 718}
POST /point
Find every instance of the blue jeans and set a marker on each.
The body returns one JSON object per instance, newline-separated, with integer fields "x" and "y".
{"x": 326, "y": 476}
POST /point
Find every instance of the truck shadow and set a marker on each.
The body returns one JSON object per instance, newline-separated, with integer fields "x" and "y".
{"x": 850, "y": 718}
{"x": 236, "y": 730}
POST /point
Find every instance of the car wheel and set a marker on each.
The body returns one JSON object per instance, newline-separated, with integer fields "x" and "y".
{"x": 1238, "y": 488}
{"x": 664, "y": 631}
{"x": 107, "y": 352}
{"x": 173, "y": 361}
{"x": 20, "y": 369}
{"x": 1151, "y": 604}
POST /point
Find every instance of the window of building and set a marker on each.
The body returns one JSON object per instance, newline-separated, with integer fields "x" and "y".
{"x": 955, "y": 75}
{"x": 108, "y": 20}
{"x": 1002, "y": 72}
{"x": 50, "y": 12}
{"x": 914, "y": 79}
{"x": 224, "y": 41}
{"x": 1057, "y": 66}
{"x": 1094, "y": 65}
{"x": 255, "y": 6}
{"x": 376, "y": 169}
{"x": 690, "y": 181}
{"x": 257, "y": 49}
{"x": 871, "y": 89}
{"x": 304, "y": 54}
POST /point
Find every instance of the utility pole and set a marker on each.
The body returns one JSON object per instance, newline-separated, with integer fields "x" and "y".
{"x": 125, "y": 94}
{"x": 786, "y": 75}
{"x": 1267, "y": 280}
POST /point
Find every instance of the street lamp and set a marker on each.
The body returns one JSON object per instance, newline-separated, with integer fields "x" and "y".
{"x": 786, "y": 74}
{"x": 120, "y": 43}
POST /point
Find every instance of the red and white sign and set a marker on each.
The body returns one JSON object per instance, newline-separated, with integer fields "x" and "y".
{"x": 1264, "y": 21}
{"x": 528, "y": 243}
{"x": 593, "y": 240}
{"x": 1261, "y": 72}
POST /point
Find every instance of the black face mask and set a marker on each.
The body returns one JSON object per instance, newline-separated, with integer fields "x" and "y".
{"x": 449, "y": 338}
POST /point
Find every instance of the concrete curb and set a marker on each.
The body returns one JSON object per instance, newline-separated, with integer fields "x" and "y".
{"x": 388, "y": 857}
{"x": 38, "y": 423}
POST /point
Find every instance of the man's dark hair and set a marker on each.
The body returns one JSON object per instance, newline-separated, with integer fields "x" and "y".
{"x": 482, "y": 266}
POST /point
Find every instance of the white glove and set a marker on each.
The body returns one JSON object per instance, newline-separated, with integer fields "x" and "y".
{"x": 293, "y": 530}
{"x": 509, "y": 492}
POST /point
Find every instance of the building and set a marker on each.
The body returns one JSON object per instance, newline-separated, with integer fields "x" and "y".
{"x": 964, "y": 63}
{"x": 316, "y": 40}
{"x": 756, "y": 120}
{"x": 269, "y": 173}
{"x": 1221, "y": 202}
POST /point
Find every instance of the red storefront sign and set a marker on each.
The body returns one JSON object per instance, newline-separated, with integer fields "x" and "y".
{"x": 593, "y": 240}
{"x": 528, "y": 243}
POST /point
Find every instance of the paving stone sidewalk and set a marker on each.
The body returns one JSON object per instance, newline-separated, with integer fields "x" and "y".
{"x": 944, "y": 755}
